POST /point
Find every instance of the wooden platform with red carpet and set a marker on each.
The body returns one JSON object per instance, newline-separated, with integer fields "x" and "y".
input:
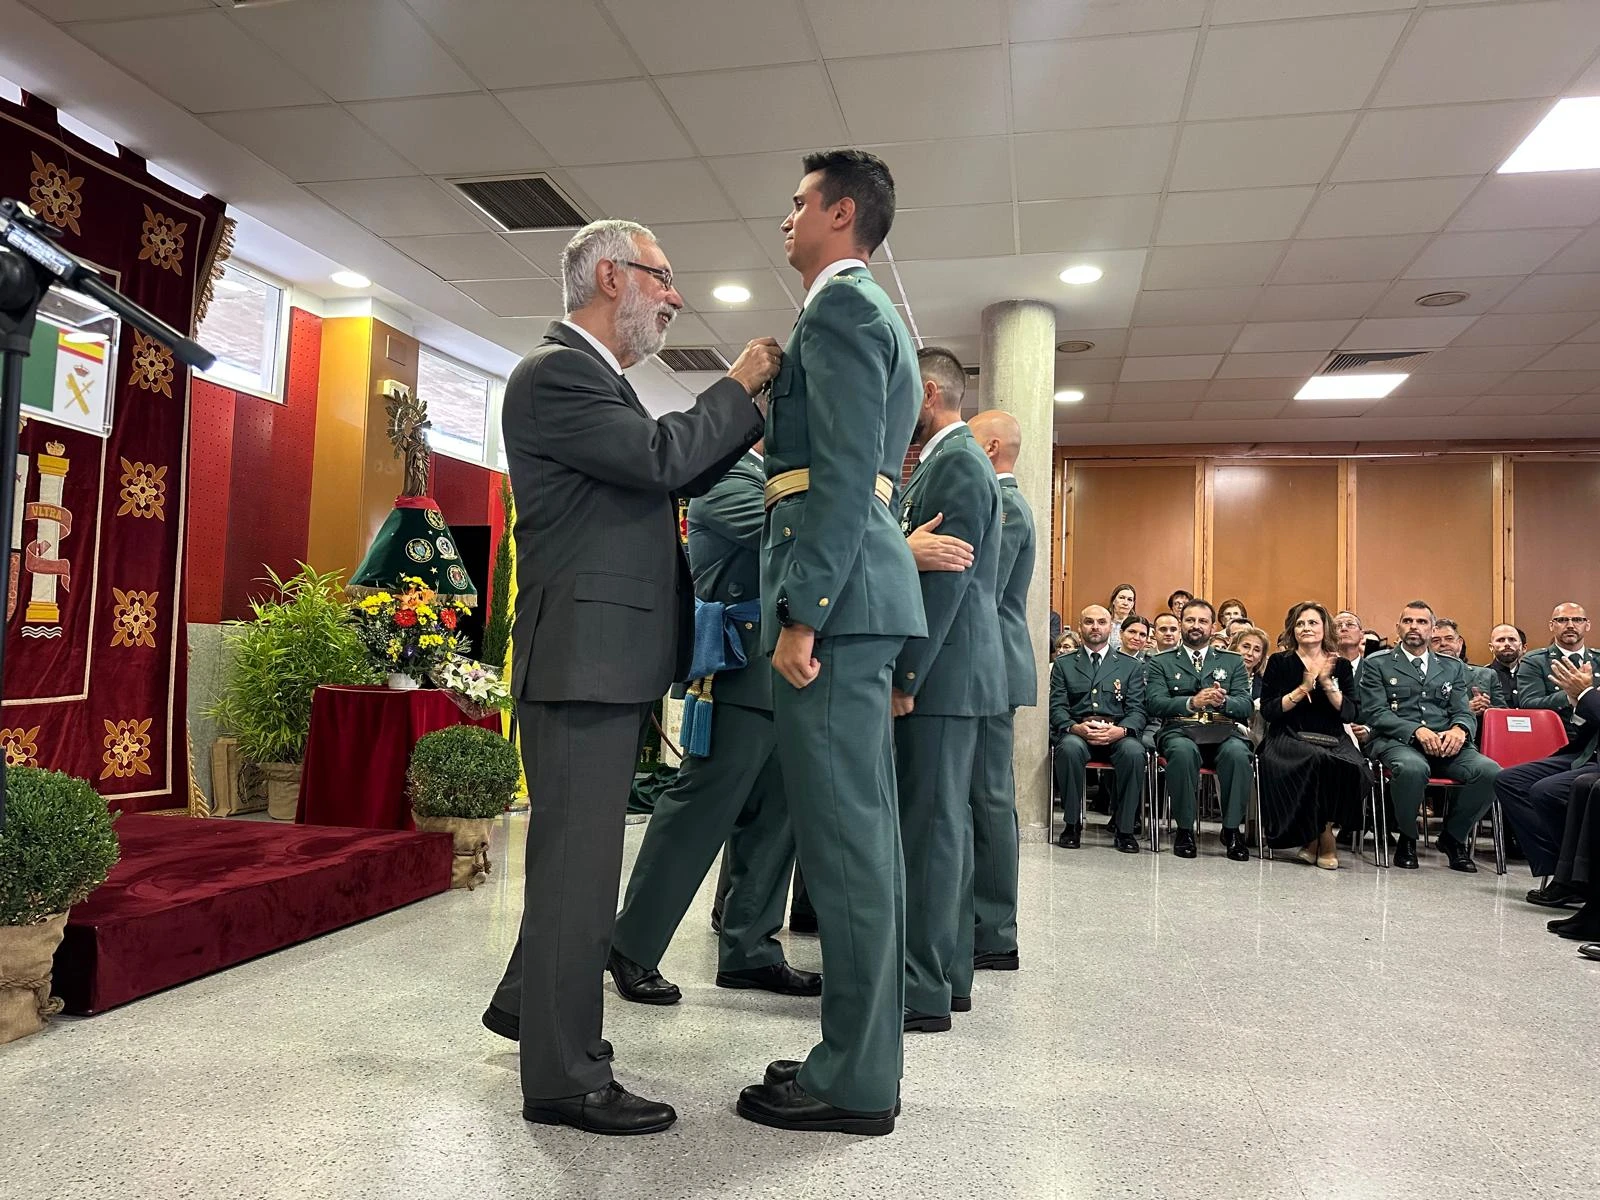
{"x": 193, "y": 896}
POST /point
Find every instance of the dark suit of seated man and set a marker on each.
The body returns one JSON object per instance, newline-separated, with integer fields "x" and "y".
{"x": 1097, "y": 712}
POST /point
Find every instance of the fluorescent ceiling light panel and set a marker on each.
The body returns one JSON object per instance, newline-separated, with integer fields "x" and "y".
{"x": 731, "y": 293}
{"x": 350, "y": 279}
{"x": 1350, "y": 387}
{"x": 1069, "y": 396}
{"x": 1568, "y": 139}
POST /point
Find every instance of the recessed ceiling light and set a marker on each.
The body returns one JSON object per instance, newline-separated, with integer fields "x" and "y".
{"x": 1081, "y": 274}
{"x": 1568, "y": 139}
{"x": 1074, "y": 347}
{"x": 350, "y": 279}
{"x": 1349, "y": 387}
{"x": 1442, "y": 299}
{"x": 731, "y": 293}
{"x": 1069, "y": 396}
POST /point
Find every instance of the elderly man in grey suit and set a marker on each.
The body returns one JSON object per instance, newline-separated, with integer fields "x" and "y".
{"x": 604, "y": 624}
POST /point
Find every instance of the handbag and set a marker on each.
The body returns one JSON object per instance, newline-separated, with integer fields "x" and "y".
{"x": 1204, "y": 733}
{"x": 1326, "y": 740}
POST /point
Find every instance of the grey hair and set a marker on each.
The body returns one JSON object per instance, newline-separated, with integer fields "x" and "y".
{"x": 598, "y": 240}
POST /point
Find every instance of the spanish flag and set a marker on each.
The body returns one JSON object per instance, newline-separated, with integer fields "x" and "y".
{"x": 71, "y": 342}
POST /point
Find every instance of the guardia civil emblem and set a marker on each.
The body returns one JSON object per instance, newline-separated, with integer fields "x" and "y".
{"x": 457, "y": 575}
{"x": 447, "y": 549}
{"x": 419, "y": 550}
{"x": 435, "y": 517}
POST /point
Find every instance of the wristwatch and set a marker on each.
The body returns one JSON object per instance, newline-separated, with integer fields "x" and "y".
{"x": 782, "y": 609}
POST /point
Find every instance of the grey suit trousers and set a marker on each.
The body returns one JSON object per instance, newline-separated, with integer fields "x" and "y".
{"x": 579, "y": 759}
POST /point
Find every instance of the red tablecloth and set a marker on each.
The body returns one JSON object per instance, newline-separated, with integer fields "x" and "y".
{"x": 359, "y": 748}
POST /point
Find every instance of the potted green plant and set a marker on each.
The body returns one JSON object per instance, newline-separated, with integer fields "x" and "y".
{"x": 56, "y": 848}
{"x": 461, "y": 778}
{"x": 298, "y": 641}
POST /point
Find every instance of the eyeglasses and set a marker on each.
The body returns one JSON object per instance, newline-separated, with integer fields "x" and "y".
{"x": 1569, "y": 620}
{"x": 661, "y": 273}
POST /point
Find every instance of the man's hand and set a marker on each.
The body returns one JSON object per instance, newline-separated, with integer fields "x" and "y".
{"x": 1574, "y": 681}
{"x": 757, "y": 364}
{"x": 1479, "y": 701}
{"x": 938, "y": 551}
{"x": 1451, "y": 741}
{"x": 1214, "y": 696}
{"x": 900, "y": 704}
{"x": 1429, "y": 741}
{"x": 791, "y": 657}
{"x": 1361, "y": 733}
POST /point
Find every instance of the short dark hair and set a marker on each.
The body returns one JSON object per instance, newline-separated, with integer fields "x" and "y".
{"x": 1236, "y": 603}
{"x": 1176, "y": 594}
{"x": 946, "y": 370}
{"x": 865, "y": 179}
{"x": 1445, "y": 623}
{"x": 1135, "y": 619}
{"x": 1520, "y": 634}
{"x": 1196, "y": 602}
{"x": 1420, "y": 604}
{"x": 1166, "y": 612}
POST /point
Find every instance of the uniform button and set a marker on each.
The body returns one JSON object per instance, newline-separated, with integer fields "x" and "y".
{"x": 911, "y": 674}
{"x": 749, "y": 625}
{"x": 823, "y": 603}
{"x": 786, "y": 531}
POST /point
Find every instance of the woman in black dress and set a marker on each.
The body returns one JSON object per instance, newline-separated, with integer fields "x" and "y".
{"x": 1312, "y": 775}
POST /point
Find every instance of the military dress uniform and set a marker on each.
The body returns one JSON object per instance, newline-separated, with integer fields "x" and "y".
{"x": 843, "y": 408}
{"x": 1397, "y": 699}
{"x": 1112, "y": 689}
{"x": 1171, "y": 680}
{"x": 994, "y": 790}
{"x": 738, "y": 789}
{"x": 1538, "y": 690}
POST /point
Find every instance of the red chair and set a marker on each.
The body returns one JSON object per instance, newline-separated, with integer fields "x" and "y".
{"x": 1513, "y": 736}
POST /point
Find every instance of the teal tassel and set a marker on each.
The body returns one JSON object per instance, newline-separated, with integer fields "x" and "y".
{"x": 697, "y": 708}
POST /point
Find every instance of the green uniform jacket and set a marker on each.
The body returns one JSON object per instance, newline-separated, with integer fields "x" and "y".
{"x": 1170, "y": 680}
{"x": 1535, "y": 688}
{"x": 1114, "y": 693}
{"x": 1488, "y": 682}
{"x": 1396, "y": 701}
{"x": 836, "y": 552}
{"x": 725, "y": 557}
{"x": 959, "y": 668}
{"x": 1016, "y": 574}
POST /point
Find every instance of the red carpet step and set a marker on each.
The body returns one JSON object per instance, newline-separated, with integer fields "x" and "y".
{"x": 194, "y": 896}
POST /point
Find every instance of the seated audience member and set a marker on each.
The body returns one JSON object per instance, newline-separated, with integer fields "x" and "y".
{"x": 1578, "y": 870}
{"x": 1446, "y": 639}
{"x": 1417, "y": 704}
{"x": 1237, "y": 624}
{"x": 1372, "y": 641}
{"x": 1055, "y": 627}
{"x": 1135, "y": 637}
{"x": 1193, "y": 690}
{"x": 1507, "y": 641}
{"x": 1534, "y": 797}
{"x": 1176, "y": 601}
{"x": 1166, "y": 633}
{"x": 1097, "y": 714}
{"x": 1251, "y": 644}
{"x": 1066, "y": 643}
{"x": 1312, "y": 776}
{"x": 1231, "y": 610}
{"x": 1219, "y": 639}
{"x": 1350, "y": 646}
{"x": 1121, "y": 605}
{"x": 1569, "y": 627}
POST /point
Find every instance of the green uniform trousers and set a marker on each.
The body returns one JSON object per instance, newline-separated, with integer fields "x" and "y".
{"x": 1127, "y": 758}
{"x": 734, "y": 796}
{"x": 1230, "y": 759}
{"x": 835, "y": 744}
{"x": 994, "y": 838}
{"x": 1409, "y": 771}
{"x": 933, "y": 768}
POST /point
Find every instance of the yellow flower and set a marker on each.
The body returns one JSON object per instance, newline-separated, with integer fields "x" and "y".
{"x": 430, "y": 639}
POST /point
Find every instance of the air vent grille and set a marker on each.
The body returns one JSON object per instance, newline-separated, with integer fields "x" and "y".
{"x": 1347, "y": 362}
{"x": 523, "y": 202}
{"x": 692, "y": 358}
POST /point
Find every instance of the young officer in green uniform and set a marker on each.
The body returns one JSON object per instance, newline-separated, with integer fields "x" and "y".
{"x": 1179, "y": 686}
{"x": 1097, "y": 713}
{"x": 944, "y": 684}
{"x": 1418, "y": 706}
{"x": 734, "y": 794}
{"x": 994, "y": 792}
{"x": 839, "y": 598}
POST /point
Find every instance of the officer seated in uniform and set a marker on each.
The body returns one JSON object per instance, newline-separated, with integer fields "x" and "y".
{"x": 1097, "y": 713}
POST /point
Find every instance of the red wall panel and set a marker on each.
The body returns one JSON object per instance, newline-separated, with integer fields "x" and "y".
{"x": 210, "y": 477}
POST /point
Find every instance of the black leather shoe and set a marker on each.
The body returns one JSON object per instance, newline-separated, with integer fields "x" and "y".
{"x": 1591, "y": 950}
{"x": 1183, "y": 844}
{"x": 1127, "y": 843}
{"x": 1238, "y": 849}
{"x": 610, "y": 1110}
{"x": 788, "y": 1106}
{"x": 642, "y": 985}
{"x": 497, "y": 1020}
{"x": 778, "y": 977}
{"x": 997, "y": 960}
{"x": 1460, "y": 857}
{"x": 1561, "y": 923}
{"x": 1581, "y": 926}
{"x": 787, "y": 1070}
{"x": 1556, "y": 895}
{"x": 1405, "y": 854}
{"x": 960, "y": 1004}
{"x": 802, "y": 922}
{"x": 926, "y": 1023}
{"x": 1071, "y": 837}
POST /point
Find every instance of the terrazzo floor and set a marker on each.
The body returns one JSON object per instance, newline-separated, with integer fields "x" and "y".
{"x": 1179, "y": 1029}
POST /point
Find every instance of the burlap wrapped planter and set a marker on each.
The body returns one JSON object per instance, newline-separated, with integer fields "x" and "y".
{"x": 26, "y": 957}
{"x": 471, "y": 835}
{"x": 283, "y": 789}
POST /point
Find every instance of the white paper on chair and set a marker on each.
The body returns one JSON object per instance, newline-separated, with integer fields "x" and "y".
{"x": 1519, "y": 724}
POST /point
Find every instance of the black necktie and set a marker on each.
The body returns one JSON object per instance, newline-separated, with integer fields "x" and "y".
{"x": 1417, "y": 663}
{"x": 1576, "y": 660}
{"x": 1094, "y": 660}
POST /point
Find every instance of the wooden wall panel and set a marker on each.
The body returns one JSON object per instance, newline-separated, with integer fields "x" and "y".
{"x": 1556, "y": 506}
{"x": 1129, "y": 523}
{"x": 1425, "y": 529}
{"x": 1275, "y": 537}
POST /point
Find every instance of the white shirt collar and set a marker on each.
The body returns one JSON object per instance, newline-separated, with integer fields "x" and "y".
{"x": 756, "y": 454}
{"x": 827, "y": 273}
{"x": 605, "y": 351}
{"x": 927, "y": 446}
{"x": 1005, "y": 475}
{"x": 1558, "y": 648}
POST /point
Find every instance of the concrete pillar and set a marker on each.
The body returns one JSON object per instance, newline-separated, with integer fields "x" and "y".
{"x": 1018, "y": 358}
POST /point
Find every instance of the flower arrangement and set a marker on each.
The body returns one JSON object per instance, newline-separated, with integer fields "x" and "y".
{"x": 476, "y": 689}
{"x": 409, "y": 633}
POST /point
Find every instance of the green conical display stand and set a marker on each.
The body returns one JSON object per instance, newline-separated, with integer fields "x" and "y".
{"x": 414, "y": 542}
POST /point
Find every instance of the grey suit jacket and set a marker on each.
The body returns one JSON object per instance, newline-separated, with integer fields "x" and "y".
{"x": 605, "y": 602}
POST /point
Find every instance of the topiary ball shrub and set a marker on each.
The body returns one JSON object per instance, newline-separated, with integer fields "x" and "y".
{"x": 462, "y": 771}
{"x": 57, "y": 847}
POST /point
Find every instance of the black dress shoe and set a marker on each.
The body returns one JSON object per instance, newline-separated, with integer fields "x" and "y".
{"x": 1560, "y": 923}
{"x": 802, "y": 922}
{"x": 777, "y": 977}
{"x": 997, "y": 960}
{"x": 787, "y": 1105}
{"x": 1581, "y": 926}
{"x": 1590, "y": 950}
{"x": 926, "y": 1023}
{"x": 1556, "y": 895}
{"x": 1460, "y": 857}
{"x": 642, "y": 985}
{"x": 1237, "y": 848}
{"x": 960, "y": 1004}
{"x": 497, "y": 1020}
{"x": 1405, "y": 853}
{"x": 1127, "y": 843}
{"x": 610, "y": 1110}
{"x": 1183, "y": 844}
{"x": 787, "y": 1070}
{"x": 1071, "y": 837}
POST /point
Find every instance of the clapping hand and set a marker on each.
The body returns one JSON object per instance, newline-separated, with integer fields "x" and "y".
{"x": 1574, "y": 681}
{"x": 1211, "y": 697}
{"x": 1480, "y": 700}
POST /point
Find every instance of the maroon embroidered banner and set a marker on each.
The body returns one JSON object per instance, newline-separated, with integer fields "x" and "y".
{"x": 96, "y": 671}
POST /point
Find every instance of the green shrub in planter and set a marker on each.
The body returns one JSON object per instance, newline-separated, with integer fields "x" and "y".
{"x": 57, "y": 847}
{"x": 462, "y": 771}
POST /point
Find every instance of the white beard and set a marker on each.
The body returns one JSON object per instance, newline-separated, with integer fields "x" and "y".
{"x": 636, "y": 325}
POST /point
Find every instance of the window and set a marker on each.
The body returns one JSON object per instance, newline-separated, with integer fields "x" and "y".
{"x": 458, "y": 406}
{"x": 243, "y": 329}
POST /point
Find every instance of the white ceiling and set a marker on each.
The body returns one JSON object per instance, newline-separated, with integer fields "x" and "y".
{"x": 1262, "y": 181}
